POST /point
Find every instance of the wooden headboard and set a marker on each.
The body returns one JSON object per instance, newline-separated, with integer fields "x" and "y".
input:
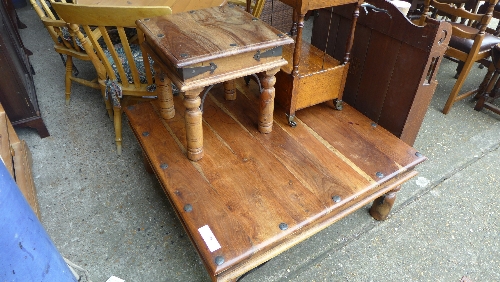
{"x": 393, "y": 66}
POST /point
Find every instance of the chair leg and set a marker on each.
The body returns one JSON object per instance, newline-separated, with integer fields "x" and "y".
{"x": 459, "y": 68}
{"x": 486, "y": 81}
{"x": 117, "y": 122}
{"x": 109, "y": 108}
{"x": 69, "y": 70}
{"x": 457, "y": 87}
{"x": 491, "y": 80}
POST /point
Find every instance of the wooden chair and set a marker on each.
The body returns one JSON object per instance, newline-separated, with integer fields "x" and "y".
{"x": 64, "y": 44}
{"x": 121, "y": 68}
{"x": 490, "y": 87}
{"x": 253, "y": 7}
{"x": 496, "y": 15}
{"x": 467, "y": 44}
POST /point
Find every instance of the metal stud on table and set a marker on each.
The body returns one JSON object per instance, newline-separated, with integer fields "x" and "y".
{"x": 219, "y": 260}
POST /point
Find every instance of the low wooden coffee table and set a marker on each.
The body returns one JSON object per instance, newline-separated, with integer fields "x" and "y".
{"x": 200, "y": 48}
{"x": 255, "y": 195}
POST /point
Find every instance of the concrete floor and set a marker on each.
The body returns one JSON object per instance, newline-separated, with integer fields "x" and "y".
{"x": 106, "y": 214}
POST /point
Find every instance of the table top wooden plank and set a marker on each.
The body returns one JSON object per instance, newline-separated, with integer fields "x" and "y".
{"x": 354, "y": 134}
{"x": 402, "y": 154}
{"x": 320, "y": 171}
{"x": 248, "y": 183}
{"x": 177, "y": 6}
{"x": 184, "y": 184}
{"x": 228, "y": 162}
{"x": 335, "y": 162}
{"x": 217, "y": 32}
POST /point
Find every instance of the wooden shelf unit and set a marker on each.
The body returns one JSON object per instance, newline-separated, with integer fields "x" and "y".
{"x": 311, "y": 76}
{"x": 319, "y": 73}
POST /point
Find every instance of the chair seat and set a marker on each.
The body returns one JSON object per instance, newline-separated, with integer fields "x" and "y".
{"x": 138, "y": 60}
{"x": 465, "y": 45}
{"x": 67, "y": 37}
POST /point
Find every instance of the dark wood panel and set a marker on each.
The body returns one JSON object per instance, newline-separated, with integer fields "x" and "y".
{"x": 17, "y": 90}
{"x": 400, "y": 94}
{"x": 377, "y": 74}
{"x": 356, "y": 66}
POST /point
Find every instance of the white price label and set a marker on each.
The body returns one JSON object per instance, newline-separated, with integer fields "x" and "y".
{"x": 209, "y": 238}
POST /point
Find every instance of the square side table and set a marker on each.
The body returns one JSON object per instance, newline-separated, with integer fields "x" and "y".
{"x": 200, "y": 48}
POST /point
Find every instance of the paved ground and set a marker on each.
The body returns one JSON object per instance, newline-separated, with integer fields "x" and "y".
{"x": 106, "y": 214}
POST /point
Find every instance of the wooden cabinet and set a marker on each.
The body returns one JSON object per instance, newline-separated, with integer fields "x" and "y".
{"x": 17, "y": 90}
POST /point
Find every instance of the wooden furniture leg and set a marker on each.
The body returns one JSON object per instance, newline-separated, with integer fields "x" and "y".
{"x": 37, "y": 124}
{"x": 194, "y": 123}
{"x": 229, "y": 90}
{"x": 107, "y": 102}
{"x": 298, "y": 45}
{"x": 454, "y": 95}
{"x": 267, "y": 101}
{"x": 382, "y": 206}
{"x": 69, "y": 69}
{"x": 492, "y": 79}
{"x": 117, "y": 122}
{"x": 165, "y": 94}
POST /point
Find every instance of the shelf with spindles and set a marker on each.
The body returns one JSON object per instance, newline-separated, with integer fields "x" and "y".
{"x": 311, "y": 76}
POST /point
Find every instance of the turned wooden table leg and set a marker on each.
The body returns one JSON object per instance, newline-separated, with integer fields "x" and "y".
{"x": 230, "y": 90}
{"x": 194, "y": 126}
{"x": 165, "y": 95}
{"x": 382, "y": 206}
{"x": 267, "y": 101}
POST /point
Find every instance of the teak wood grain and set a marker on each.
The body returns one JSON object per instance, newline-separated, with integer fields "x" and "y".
{"x": 249, "y": 183}
{"x": 219, "y": 32}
